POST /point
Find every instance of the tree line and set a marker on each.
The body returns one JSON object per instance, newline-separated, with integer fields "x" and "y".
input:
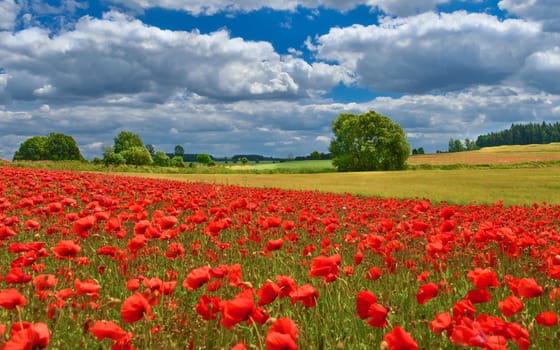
{"x": 368, "y": 141}
{"x": 517, "y": 134}
{"x": 522, "y": 134}
{"x": 365, "y": 142}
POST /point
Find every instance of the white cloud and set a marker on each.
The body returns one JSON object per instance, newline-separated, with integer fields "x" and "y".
{"x": 283, "y": 127}
{"x": 9, "y": 10}
{"x": 542, "y": 70}
{"x": 431, "y": 52}
{"x": 323, "y": 139}
{"x": 203, "y": 7}
{"x": 545, "y": 11}
{"x": 117, "y": 55}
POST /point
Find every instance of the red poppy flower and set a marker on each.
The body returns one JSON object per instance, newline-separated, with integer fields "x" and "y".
{"x": 399, "y": 339}
{"x": 10, "y": 298}
{"x": 107, "y": 329}
{"x": 286, "y": 285}
{"x": 175, "y": 250}
{"x": 167, "y": 222}
{"x": 554, "y": 294}
{"x": 267, "y": 293}
{"x": 427, "y": 292}
{"x": 136, "y": 243}
{"x": 288, "y": 225}
{"x": 547, "y": 318}
{"x": 468, "y": 333}
{"x": 477, "y": 296}
{"x": 86, "y": 287}
{"x": 135, "y": 307}
{"x": 28, "y": 336}
{"x": 306, "y": 294}
{"x": 358, "y": 257}
{"x": 81, "y": 226}
{"x": 238, "y": 309}
{"x": 510, "y": 305}
{"x": 463, "y": 308}
{"x": 42, "y": 282}
{"x": 442, "y": 322}
{"x": 16, "y": 275}
{"x": 363, "y": 301}
{"x": 483, "y": 278}
{"x": 528, "y": 288}
{"x": 133, "y": 284}
{"x": 378, "y": 315}
{"x": 197, "y": 277}
{"x": 66, "y": 249}
{"x": 20, "y": 247}
{"x": 208, "y": 307}
{"x": 373, "y": 273}
{"x": 325, "y": 266}
{"x": 113, "y": 225}
{"x": 260, "y": 315}
{"x": 6, "y": 233}
{"x": 274, "y": 244}
{"x": 239, "y": 346}
{"x": 282, "y": 335}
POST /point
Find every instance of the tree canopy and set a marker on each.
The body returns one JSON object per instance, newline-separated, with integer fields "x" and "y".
{"x": 55, "y": 146}
{"x": 126, "y": 140}
{"x": 204, "y": 158}
{"x": 128, "y": 148}
{"x": 368, "y": 141}
{"x": 179, "y": 151}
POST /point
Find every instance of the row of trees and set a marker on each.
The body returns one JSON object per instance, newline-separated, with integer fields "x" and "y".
{"x": 459, "y": 146}
{"x": 522, "y": 134}
{"x": 368, "y": 141}
{"x": 130, "y": 149}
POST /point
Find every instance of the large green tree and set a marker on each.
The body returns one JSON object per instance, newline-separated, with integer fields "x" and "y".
{"x": 179, "y": 151}
{"x": 126, "y": 140}
{"x": 63, "y": 147}
{"x": 368, "y": 141}
{"x": 55, "y": 146}
{"x": 137, "y": 156}
{"x": 34, "y": 148}
{"x": 130, "y": 147}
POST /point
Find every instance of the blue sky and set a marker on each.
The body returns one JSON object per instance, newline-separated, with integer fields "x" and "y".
{"x": 268, "y": 77}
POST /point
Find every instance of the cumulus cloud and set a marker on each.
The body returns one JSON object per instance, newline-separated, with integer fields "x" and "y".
{"x": 542, "y": 70}
{"x": 280, "y": 128}
{"x": 545, "y": 11}
{"x": 433, "y": 52}
{"x": 202, "y": 7}
{"x": 120, "y": 55}
{"x": 9, "y": 10}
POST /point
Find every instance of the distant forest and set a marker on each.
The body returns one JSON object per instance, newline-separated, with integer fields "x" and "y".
{"x": 522, "y": 134}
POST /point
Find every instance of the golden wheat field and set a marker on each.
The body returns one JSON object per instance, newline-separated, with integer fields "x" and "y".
{"x": 493, "y": 155}
{"x": 534, "y": 182}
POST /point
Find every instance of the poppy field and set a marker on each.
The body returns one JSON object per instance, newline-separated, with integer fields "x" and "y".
{"x": 97, "y": 261}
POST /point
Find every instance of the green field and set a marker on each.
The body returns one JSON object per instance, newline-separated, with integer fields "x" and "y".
{"x": 462, "y": 186}
{"x": 511, "y": 174}
{"x": 290, "y": 166}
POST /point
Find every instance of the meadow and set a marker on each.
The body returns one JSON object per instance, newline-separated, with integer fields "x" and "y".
{"x": 510, "y": 174}
{"x": 452, "y": 257}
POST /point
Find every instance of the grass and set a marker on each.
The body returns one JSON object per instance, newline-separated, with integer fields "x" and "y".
{"x": 511, "y": 174}
{"x": 461, "y": 186}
